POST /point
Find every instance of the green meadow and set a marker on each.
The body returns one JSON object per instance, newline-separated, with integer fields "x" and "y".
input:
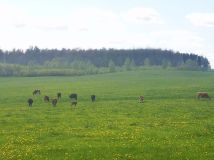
{"x": 170, "y": 124}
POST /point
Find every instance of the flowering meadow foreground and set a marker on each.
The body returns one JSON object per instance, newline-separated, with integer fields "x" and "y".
{"x": 170, "y": 124}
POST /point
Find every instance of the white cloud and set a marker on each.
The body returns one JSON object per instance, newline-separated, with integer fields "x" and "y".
{"x": 11, "y": 15}
{"x": 48, "y": 23}
{"x": 179, "y": 40}
{"x": 95, "y": 20}
{"x": 142, "y": 15}
{"x": 81, "y": 19}
{"x": 201, "y": 19}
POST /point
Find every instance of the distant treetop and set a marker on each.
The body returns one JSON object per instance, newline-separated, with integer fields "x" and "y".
{"x": 102, "y": 57}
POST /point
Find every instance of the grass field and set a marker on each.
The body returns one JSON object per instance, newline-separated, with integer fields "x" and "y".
{"x": 171, "y": 124}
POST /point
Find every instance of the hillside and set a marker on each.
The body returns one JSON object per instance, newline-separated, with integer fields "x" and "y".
{"x": 170, "y": 124}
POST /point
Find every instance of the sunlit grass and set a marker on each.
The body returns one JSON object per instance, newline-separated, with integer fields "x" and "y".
{"x": 170, "y": 124}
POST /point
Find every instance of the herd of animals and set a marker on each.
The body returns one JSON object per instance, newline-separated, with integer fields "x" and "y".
{"x": 73, "y": 98}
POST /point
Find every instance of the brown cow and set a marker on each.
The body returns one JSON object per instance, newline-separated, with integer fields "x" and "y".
{"x": 203, "y": 95}
{"x": 141, "y": 99}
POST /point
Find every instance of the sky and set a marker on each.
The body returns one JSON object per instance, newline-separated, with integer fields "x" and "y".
{"x": 186, "y": 26}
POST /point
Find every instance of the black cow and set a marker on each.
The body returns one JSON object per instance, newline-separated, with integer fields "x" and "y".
{"x": 59, "y": 95}
{"x": 36, "y": 92}
{"x": 93, "y": 98}
{"x": 54, "y": 102}
{"x": 30, "y": 102}
{"x": 46, "y": 99}
{"x": 73, "y": 96}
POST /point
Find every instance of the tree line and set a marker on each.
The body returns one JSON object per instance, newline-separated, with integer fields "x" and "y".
{"x": 97, "y": 60}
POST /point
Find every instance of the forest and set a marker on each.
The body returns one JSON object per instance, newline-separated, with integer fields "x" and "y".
{"x": 43, "y": 62}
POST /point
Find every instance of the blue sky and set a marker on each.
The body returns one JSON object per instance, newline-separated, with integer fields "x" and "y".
{"x": 179, "y": 25}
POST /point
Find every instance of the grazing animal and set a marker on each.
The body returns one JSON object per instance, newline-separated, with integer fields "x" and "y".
{"x": 30, "y": 102}
{"x": 73, "y": 96}
{"x": 93, "y": 98}
{"x": 59, "y": 95}
{"x": 46, "y": 99}
{"x": 141, "y": 99}
{"x": 36, "y": 92}
{"x": 54, "y": 102}
{"x": 203, "y": 95}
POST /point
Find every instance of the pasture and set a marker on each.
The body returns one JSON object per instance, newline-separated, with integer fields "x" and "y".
{"x": 170, "y": 124}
